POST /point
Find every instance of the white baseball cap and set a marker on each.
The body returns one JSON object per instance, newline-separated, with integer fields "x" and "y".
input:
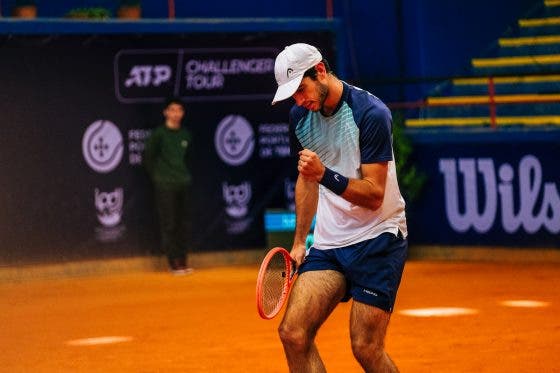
{"x": 290, "y": 66}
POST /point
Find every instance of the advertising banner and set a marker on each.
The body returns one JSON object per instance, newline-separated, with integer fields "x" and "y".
{"x": 492, "y": 189}
{"x": 77, "y": 110}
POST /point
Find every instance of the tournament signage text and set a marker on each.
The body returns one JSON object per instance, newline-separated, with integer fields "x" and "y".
{"x": 151, "y": 75}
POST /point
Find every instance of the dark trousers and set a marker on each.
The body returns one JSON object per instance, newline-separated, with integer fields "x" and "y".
{"x": 174, "y": 210}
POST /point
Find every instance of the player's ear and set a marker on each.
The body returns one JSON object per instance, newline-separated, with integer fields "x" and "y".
{"x": 321, "y": 70}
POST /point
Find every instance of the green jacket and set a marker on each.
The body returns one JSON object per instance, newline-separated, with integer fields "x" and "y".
{"x": 167, "y": 157}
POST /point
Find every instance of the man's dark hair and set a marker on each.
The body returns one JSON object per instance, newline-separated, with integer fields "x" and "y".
{"x": 174, "y": 100}
{"x": 312, "y": 72}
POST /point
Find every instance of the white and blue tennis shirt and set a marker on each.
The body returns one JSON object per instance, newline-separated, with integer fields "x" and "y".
{"x": 358, "y": 132}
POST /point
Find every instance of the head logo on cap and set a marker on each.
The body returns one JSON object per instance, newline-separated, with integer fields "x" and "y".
{"x": 290, "y": 66}
{"x": 289, "y": 72}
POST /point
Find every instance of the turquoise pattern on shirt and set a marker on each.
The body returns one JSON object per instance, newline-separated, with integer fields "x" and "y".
{"x": 335, "y": 139}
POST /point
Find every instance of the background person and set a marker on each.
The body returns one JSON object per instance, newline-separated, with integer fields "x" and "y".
{"x": 167, "y": 160}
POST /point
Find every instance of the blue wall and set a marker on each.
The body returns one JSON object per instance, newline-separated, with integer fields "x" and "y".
{"x": 184, "y": 8}
{"x": 383, "y": 41}
{"x": 441, "y": 36}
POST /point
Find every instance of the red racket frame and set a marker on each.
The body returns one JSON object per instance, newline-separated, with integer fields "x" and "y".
{"x": 290, "y": 276}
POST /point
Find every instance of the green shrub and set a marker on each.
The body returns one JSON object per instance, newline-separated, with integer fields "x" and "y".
{"x": 411, "y": 181}
{"x": 97, "y": 13}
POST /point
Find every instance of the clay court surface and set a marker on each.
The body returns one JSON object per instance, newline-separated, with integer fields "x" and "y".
{"x": 207, "y": 322}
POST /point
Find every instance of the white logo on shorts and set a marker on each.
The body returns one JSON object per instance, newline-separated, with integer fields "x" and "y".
{"x": 370, "y": 292}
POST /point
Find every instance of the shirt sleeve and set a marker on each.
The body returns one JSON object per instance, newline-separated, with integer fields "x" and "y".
{"x": 375, "y": 135}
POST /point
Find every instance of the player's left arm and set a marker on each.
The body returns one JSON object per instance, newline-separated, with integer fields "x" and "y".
{"x": 368, "y": 191}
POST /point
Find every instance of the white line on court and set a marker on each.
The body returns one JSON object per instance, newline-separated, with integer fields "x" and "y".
{"x": 438, "y": 312}
{"x": 98, "y": 341}
{"x": 524, "y": 303}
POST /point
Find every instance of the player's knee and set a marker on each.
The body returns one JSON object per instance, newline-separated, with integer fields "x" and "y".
{"x": 293, "y": 338}
{"x": 365, "y": 349}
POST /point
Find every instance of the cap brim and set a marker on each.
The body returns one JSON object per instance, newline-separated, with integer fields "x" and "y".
{"x": 286, "y": 90}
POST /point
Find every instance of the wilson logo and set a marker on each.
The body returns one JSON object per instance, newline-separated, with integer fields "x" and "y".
{"x": 536, "y": 205}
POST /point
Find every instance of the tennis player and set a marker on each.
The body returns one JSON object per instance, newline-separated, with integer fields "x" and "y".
{"x": 347, "y": 177}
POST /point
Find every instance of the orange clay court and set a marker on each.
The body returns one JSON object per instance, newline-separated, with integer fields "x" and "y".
{"x": 149, "y": 321}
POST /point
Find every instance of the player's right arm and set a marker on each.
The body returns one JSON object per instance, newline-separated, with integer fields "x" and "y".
{"x": 306, "y": 196}
{"x": 306, "y": 193}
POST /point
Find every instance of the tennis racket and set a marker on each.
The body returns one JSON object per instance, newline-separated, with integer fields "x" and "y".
{"x": 276, "y": 275}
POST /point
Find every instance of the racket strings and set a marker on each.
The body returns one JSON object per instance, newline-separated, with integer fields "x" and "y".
{"x": 274, "y": 283}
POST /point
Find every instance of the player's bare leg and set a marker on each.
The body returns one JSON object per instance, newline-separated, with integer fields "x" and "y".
{"x": 314, "y": 296}
{"x": 368, "y": 326}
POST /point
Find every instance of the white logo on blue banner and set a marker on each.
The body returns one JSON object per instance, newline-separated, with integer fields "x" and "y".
{"x": 234, "y": 140}
{"x": 102, "y": 146}
{"x": 537, "y": 205}
{"x": 199, "y": 74}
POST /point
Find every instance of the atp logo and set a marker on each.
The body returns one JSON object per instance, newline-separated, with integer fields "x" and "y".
{"x": 148, "y": 75}
{"x": 234, "y": 140}
{"x": 102, "y": 146}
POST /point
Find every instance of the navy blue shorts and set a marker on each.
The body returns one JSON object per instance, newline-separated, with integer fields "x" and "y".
{"x": 372, "y": 268}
